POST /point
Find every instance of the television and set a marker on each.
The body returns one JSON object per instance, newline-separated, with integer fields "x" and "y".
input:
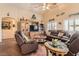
{"x": 34, "y": 28}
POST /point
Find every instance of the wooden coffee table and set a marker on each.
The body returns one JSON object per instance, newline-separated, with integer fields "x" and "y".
{"x": 57, "y": 51}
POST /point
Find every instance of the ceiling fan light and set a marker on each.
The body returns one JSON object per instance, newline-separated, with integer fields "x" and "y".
{"x": 47, "y": 7}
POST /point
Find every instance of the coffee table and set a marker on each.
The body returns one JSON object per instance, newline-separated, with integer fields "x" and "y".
{"x": 57, "y": 51}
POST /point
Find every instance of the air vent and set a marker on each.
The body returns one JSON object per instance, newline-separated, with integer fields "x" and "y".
{"x": 57, "y": 15}
{"x": 62, "y": 13}
{"x": 54, "y": 3}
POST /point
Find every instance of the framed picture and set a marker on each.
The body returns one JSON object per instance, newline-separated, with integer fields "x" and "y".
{"x": 6, "y": 25}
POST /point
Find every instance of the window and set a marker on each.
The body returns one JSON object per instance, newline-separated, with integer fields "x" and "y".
{"x": 77, "y": 24}
{"x": 72, "y": 24}
{"x": 66, "y": 25}
{"x": 51, "y": 25}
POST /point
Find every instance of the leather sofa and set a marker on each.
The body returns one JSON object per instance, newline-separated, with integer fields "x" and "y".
{"x": 25, "y": 47}
{"x": 54, "y": 34}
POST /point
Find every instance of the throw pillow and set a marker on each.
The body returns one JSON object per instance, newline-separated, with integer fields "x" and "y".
{"x": 60, "y": 34}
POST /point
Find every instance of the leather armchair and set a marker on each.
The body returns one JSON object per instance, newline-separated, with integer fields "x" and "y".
{"x": 72, "y": 38}
{"x": 26, "y": 47}
{"x": 73, "y": 45}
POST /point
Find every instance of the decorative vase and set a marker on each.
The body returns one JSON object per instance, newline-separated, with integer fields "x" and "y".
{"x": 54, "y": 42}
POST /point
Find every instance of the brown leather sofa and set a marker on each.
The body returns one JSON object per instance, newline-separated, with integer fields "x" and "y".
{"x": 26, "y": 47}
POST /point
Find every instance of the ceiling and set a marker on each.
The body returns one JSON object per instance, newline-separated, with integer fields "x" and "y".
{"x": 54, "y": 8}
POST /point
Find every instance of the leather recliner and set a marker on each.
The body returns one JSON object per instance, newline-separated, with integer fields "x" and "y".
{"x": 73, "y": 45}
{"x": 26, "y": 47}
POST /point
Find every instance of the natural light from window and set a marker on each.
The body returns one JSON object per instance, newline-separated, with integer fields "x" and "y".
{"x": 71, "y": 24}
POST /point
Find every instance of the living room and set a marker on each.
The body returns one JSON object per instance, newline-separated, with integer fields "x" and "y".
{"x": 39, "y": 29}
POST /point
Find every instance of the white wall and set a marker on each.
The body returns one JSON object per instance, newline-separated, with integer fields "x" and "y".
{"x": 47, "y": 17}
{"x": 17, "y": 13}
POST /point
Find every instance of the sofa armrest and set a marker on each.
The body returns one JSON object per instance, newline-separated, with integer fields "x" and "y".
{"x": 27, "y": 48}
{"x": 67, "y": 43}
{"x": 30, "y": 42}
